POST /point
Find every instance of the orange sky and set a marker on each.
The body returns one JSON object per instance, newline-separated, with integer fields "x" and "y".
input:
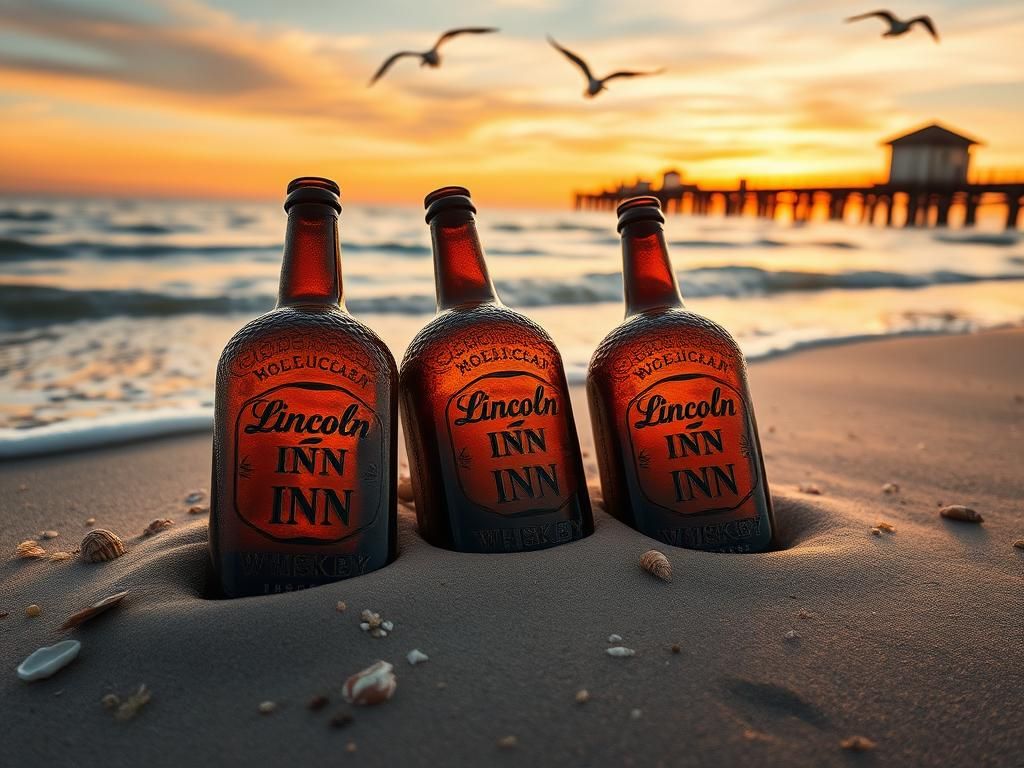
{"x": 184, "y": 99}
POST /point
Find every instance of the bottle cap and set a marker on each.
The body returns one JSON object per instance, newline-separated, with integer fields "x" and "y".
{"x": 643, "y": 208}
{"x": 313, "y": 189}
{"x": 446, "y": 199}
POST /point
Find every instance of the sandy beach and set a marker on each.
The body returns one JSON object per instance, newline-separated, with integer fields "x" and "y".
{"x": 913, "y": 639}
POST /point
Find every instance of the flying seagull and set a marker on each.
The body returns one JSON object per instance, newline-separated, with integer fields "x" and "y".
{"x": 430, "y": 58}
{"x": 899, "y": 27}
{"x": 595, "y": 86}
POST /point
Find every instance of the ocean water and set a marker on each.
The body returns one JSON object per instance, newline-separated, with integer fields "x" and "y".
{"x": 113, "y": 314}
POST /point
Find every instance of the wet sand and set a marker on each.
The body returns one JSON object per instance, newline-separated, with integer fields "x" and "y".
{"x": 914, "y": 639}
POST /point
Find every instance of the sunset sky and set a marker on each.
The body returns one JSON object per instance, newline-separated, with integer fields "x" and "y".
{"x": 231, "y": 98}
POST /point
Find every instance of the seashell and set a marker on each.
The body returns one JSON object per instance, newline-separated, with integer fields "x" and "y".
{"x": 858, "y": 744}
{"x": 405, "y": 494}
{"x": 884, "y": 526}
{"x": 655, "y": 562}
{"x": 131, "y": 706}
{"x": 48, "y": 660}
{"x": 960, "y": 512}
{"x": 29, "y": 549}
{"x": 620, "y": 652}
{"x": 49, "y": 535}
{"x": 373, "y": 685}
{"x": 416, "y": 656}
{"x": 94, "y": 610}
{"x": 156, "y": 526}
{"x": 101, "y": 545}
{"x": 891, "y": 488}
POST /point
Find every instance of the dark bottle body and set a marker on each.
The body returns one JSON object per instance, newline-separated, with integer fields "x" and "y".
{"x": 493, "y": 449}
{"x": 677, "y": 442}
{"x": 305, "y": 427}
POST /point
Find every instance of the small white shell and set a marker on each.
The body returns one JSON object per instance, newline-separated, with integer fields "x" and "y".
{"x": 373, "y": 685}
{"x": 48, "y": 660}
{"x": 387, "y": 626}
{"x": 620, "y": 651}
{"x": 416, "y": 656}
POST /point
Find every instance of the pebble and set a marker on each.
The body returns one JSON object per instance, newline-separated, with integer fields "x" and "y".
{"x": 266, "y": 707}
{"x": 676, "y": 648}
{"x": 90, "y": 521}
{"x": 635, "y": 714}
{"x": 341, "y": 607}
{"x": 582, "y": 696}
{"x": 962, "y": 513}
{"x": 33, "y": 610}
{"x": 890, "y": 488}
{"x": 620, "y": 652}
{"x": 48, "y": 660}
{"x": 49, "y": 534}
{"x": 198, "y": 509}
{"x": 416, "y": 656}
{"x": 614, "y": 638}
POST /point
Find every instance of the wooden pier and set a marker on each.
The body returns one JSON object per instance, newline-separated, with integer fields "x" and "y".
{"x": 928, "y": 179}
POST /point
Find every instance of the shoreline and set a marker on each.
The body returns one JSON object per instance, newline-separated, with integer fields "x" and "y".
{"x": 911, "y": 639}
{"x": 66, "y": 437}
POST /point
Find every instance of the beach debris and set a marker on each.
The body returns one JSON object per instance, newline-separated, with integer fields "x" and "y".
{"x": 882, "y": 525}
{"x": 198, "y": 509}
{"x": 49, "y": 535}
{"x": 620, "y": 652}
{"x": 810, "y": 488}
{"x": 960, "y": 512}
{"x": 373, "y": 685}
{"x": 792, "y": 635}
{"x": 33, "y": 610}
{"x": 341, "y": 607}
{"x": 48, "y": 660}
{"x": 676, "y": 648}
{"x": 890, "y": 488}
{"x": 156, "y": 526}
{"x": 657, "y": 564}
{"x": 94, "y": 610}
{"x": 508, "y": 742}
{"x": 858, "y": 744}
{"x": 582, "y": 696}
{"x": 110, "y": 701}
{"x": 1019, "y": 544}
{"x": 876, "y": 531}
{"x": 131, "y": 706}
{"x": 101, "y": 545}
{"x": 196, "y": 496}
{"x": 317, "y": 703}
{"x": 635, "y": 714}
{"x": 340, "y": 720}
{"x": 29, "y": 550}
{"x": 57, "y": 557}
{"x": 267, "y": 707}
{"x": 90, "y": 521}
{"x": 405, "y": 490}
{"x": 416, "y": 656}
{"x": 614, "y": 638}
{"x": 374, "y": 624}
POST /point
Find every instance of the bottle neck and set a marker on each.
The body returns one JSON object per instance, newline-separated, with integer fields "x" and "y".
{"x": 647, "y": 272}
{"x": 311, "y": 272}
{"x": 460, "y": 272}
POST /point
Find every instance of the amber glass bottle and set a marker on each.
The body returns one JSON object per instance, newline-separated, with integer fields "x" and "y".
{"x": 676, "y": 438}
{"x": 305, "y": 426}
{"x": 493, "y": 449}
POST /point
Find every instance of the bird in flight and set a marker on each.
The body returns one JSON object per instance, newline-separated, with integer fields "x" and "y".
{"x": 430, "y": 58}
{"x": 594, "y": 85}
{"x": 899, "y": 27}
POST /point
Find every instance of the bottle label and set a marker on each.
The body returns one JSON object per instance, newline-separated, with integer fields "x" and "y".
{"x": 511, "y": 444}
{"x": 692, "y": 444}
{"x": 308, "y": 463}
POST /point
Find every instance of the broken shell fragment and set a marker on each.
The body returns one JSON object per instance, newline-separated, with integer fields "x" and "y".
{"x": 620, "y": 651}
{"x": 94, "y": 610}
{"x": 57, "y": 557}
{"x": 960, "y": 512}
{"x": 416, "y": 656}
{"x": 655, "y": 563}
{"x": 48, "y": 660}
{"x": 373, "y": 685}
{"x": 882, "y": 525}
{"x": 156, "y": 526}
{"x": 1019, "y": 544}
{"x": 29, "y": 549}
{"x": 101, "y": 545}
